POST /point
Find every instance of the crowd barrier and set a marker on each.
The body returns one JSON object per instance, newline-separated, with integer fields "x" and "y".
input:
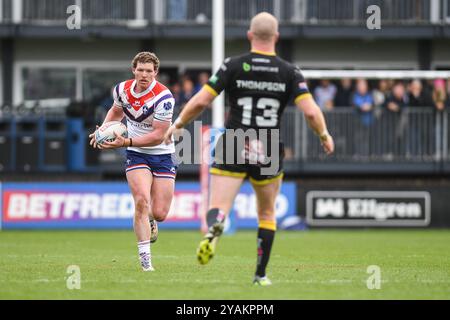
{"x": 417, "y": 136}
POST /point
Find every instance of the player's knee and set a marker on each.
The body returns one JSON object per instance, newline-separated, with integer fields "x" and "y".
{"x": 160, "y": 213}
{"x": 142, "y": 205}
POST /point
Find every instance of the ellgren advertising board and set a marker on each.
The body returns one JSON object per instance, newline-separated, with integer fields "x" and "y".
{"x": 110, "y": 205}
{"x": 368, "y": 208}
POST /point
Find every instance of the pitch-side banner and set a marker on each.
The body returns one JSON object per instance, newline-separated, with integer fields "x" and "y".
{"x": 110, "y": 205}
{"x": 368, "y": 208}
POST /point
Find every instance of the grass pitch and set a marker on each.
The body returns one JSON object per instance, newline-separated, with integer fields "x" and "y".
{"x": 304, "y": 265}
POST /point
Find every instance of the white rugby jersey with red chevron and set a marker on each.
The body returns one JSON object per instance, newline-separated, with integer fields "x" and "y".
{"x": 141, "y": 109}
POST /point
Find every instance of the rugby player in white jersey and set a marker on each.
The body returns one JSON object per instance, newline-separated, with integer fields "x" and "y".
{"x": 150, "y": 166}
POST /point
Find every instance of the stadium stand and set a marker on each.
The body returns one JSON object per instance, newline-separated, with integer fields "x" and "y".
{"x": 48, "y": 70}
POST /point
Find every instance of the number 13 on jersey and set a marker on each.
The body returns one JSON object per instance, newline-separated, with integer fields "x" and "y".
{"x": 270, "y": 114}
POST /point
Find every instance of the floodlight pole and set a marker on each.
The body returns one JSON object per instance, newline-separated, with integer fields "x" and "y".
{"x": 218, "y": 53}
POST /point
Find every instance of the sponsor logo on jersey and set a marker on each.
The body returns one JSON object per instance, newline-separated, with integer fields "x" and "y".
{"x": 213, "y": 79}
{"x": 167, "y": 106}
{"x": 246, "y": 67}
{"x": 265, "y": 69}
{"x": 261, "y": 85}
{"x": 261, "y": 60}
{"x": 140, "y": 124}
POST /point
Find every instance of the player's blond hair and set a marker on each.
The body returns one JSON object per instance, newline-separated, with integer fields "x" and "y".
{"x": 264, "y": 26}
{"x": 146, "y": 57}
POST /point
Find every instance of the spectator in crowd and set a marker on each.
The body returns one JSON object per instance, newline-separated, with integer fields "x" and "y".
{"x": 380, "y": 93}
{"x": 176, "y": 93}
{"x": 362, "y": 100}
{"x": 163, "y": 78}
{"x": 448, "y": 93}
{"x": 417, "y": 96}
{"x": 324, "y": 94}
{"x": 344, "y": 93}
{"x": 395, "y": 104}
{"x": 187, "y": 90}
{"x": 439, "y": 94}
{"x": 202, "y": 79}
{"x": 398, "y": 99}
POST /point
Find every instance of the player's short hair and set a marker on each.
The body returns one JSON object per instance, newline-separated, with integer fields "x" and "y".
{"x": 146, "y": 57}
{"x": 264, "y": 26}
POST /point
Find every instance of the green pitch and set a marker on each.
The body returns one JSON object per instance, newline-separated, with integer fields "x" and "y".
{"x": 304, "y": 265}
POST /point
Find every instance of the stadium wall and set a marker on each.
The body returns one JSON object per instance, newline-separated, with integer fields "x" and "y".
{"x": 398, "y": 54}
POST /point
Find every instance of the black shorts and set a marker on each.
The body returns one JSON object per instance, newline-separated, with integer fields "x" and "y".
{"x": 259, "y": 158}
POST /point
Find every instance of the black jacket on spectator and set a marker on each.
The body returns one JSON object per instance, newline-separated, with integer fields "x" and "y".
{"x": 402, "y": 103}
{"x": 424, "y": 100}
{"x": 343, "y": 97}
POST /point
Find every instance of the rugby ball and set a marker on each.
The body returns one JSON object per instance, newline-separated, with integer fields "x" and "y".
{"x": 106, "y": 131}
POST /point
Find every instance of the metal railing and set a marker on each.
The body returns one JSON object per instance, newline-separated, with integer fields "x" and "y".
{"x": 48, "y": 12}
{"x": 416, "y": 135}
{"x": 354, "y": 11}
{"x": 309, "y": 12}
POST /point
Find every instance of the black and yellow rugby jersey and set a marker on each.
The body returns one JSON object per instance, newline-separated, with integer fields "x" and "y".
{"x": 259, "y": 85}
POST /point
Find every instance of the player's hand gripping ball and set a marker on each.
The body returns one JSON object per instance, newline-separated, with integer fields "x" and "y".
{"x": 106, "y": 132}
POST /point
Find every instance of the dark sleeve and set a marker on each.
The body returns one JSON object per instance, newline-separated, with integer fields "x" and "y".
{"x": 219, "y": 81}
{"x": 299, "y": 87}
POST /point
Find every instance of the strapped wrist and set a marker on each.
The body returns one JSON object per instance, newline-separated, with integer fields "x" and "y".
{"x": 324, "y": 135}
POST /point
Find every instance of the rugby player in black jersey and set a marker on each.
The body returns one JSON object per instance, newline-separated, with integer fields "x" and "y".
{"x": 258, "y": 84}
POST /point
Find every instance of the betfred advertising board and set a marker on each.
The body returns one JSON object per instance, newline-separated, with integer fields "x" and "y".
{"x": 110, "y": 205}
